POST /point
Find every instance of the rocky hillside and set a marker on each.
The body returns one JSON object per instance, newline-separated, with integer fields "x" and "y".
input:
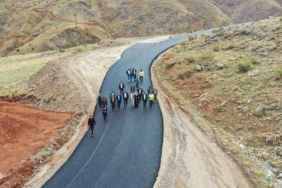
{"x": 231, "y": 82}
{"x": 40, "y": 25}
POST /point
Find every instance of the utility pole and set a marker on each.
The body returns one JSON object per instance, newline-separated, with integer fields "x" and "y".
{"x": 75, "y": 20}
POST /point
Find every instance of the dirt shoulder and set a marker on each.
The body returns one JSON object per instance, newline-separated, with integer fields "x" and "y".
{"x": 189, "y": 157}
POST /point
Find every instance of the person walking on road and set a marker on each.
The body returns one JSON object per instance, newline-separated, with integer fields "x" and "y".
{"x": 99, "y": 100}
{"x": 121, "y": 87}
{"x": 105, "y": 112}
{"x": 104, "y": 101}
{"x": 141, "y": 75}
{"x": 150, "y": 89}
{"x": 128, "y": 75}
{"x": 132, "y": 97}
{"x": 151, "y": 99}
{"x": 113, "y": 102}
{"x": 91, "y": 123}
{"x": 144, "y": 99}
{"x": 140, "y": 91}
{"x": 155, "y": 92}
{"x": 131, "y": 74}
{"x": 134, "y": 73}
{"x": 132, "y": 88}
{"x": 136, "y": 99}
{"x": 118, "y": 99}
{"x": 137, "y": 82}
{"x": 125, "y": 98}
{"x": 112, "y": 94}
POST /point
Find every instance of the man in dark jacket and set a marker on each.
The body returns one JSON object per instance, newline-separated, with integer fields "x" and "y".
{"x": 131, "y": 74}
{"x": 91, "y": 123}
{"x": 135, "y": 95}
{"x": 118, "y": 99}
{"x": 140, "y": 91}
{"x": 99, "y": 100}
{"x": 144, "y": 99}
{"x": 104, "y": 112}
{"x": 125, "y": 98}
{"x": 132, "y": 88}
{"x": 121, "y": 87}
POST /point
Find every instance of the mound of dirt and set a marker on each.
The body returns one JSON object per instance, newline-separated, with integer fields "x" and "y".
{"x": 29, "y": 137}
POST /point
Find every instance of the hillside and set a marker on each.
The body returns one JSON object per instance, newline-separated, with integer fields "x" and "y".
{"x": 230, "y": 83}
{"x": 34, "y": 26}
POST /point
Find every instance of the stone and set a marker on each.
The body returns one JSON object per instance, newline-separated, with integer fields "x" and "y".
{"x": 220, "y": 65}
{"x": 259, "y": 108}
{"x": 248, "y": 101}
{"x": 198, "y": 67}
{"x": 245, "y": 110}
{"x": 253, "y": 73}
{"x": 223, "y": 104}
{"x": 205, "y": 64}
{"x": 279, "y": 176}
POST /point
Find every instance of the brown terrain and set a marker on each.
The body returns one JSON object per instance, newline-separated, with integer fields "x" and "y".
{"x": 35, "y": 26}
{"x": 228, "y": 83}
{"x": 40, "y": 129}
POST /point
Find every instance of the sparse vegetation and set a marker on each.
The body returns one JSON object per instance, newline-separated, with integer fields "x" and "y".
{"x": 79, "y": 49}
{"x": 67, "y": 45}
{"x": 244, "y": 67}
{"x": 215, "y": 48}
{"x": 279, "y": 74}
{"x": 252, "y": 101}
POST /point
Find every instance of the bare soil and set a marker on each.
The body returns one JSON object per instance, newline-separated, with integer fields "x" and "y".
{"x": 26, "y": 135}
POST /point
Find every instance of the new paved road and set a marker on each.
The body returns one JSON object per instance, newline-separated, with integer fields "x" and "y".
{"x": 126, "y": 148}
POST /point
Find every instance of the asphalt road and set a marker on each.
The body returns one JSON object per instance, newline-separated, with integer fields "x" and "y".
{"x": 126, "y": 148}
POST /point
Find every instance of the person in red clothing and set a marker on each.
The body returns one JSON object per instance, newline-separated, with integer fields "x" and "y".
{"x": 91, "y": 123}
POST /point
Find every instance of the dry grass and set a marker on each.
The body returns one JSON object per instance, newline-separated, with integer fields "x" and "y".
{"x": 15, "y": 69}
{"x": 227, "y": 98}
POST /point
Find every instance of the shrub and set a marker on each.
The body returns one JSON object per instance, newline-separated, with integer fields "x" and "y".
{"x": 280, "y": 19}
{"x": 243, "y": 32}
{"x": 244, "y": 67}
{"x": 260, "y": 113}
{"x": 218, "y": 108}
{"x": 186, "y": 74}
{"x": 207, "y": 56}
{"x": 230, "y": 46}
{"x": 190, "y": 59}
{"x": 279, "y": 74}
{"x": 79, "y": 49}
{"x": 215, "y": 48}
{"x": 254, "y": 61}
{"x": 67, "y": 45}
{"x": 61, "y": 50}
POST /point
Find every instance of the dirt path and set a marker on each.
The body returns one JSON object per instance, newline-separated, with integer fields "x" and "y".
{"x": 189, "y": 158}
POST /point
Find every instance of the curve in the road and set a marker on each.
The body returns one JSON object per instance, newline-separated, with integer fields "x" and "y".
{"x": 126, "y": 148}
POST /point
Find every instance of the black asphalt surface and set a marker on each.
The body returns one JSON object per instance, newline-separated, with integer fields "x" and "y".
{"x": 126, "y": 148}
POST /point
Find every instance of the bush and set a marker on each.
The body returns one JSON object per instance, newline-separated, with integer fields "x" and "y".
{"x": 230, "y": 46}
{"x": 67, "y": 45}
{"x": 244, "y": 67}
{"x": 61, "y": 50}
{"x": 280, "y": 19}
{"x": 215, "y": 48}
{"x": 79, "y": 49}
{"x": 186, "y": 74}
{"x": 190, "y": 59}
{"x": 243, "y": 32}
{"x": 218, "y": 108}
{"x": 254, "y": 61}
{"x": 208, "y": 56}
{"x": 279, "y": 74}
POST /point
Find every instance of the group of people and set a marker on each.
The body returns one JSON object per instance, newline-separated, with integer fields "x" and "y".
{"x": 136, "y": 95}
